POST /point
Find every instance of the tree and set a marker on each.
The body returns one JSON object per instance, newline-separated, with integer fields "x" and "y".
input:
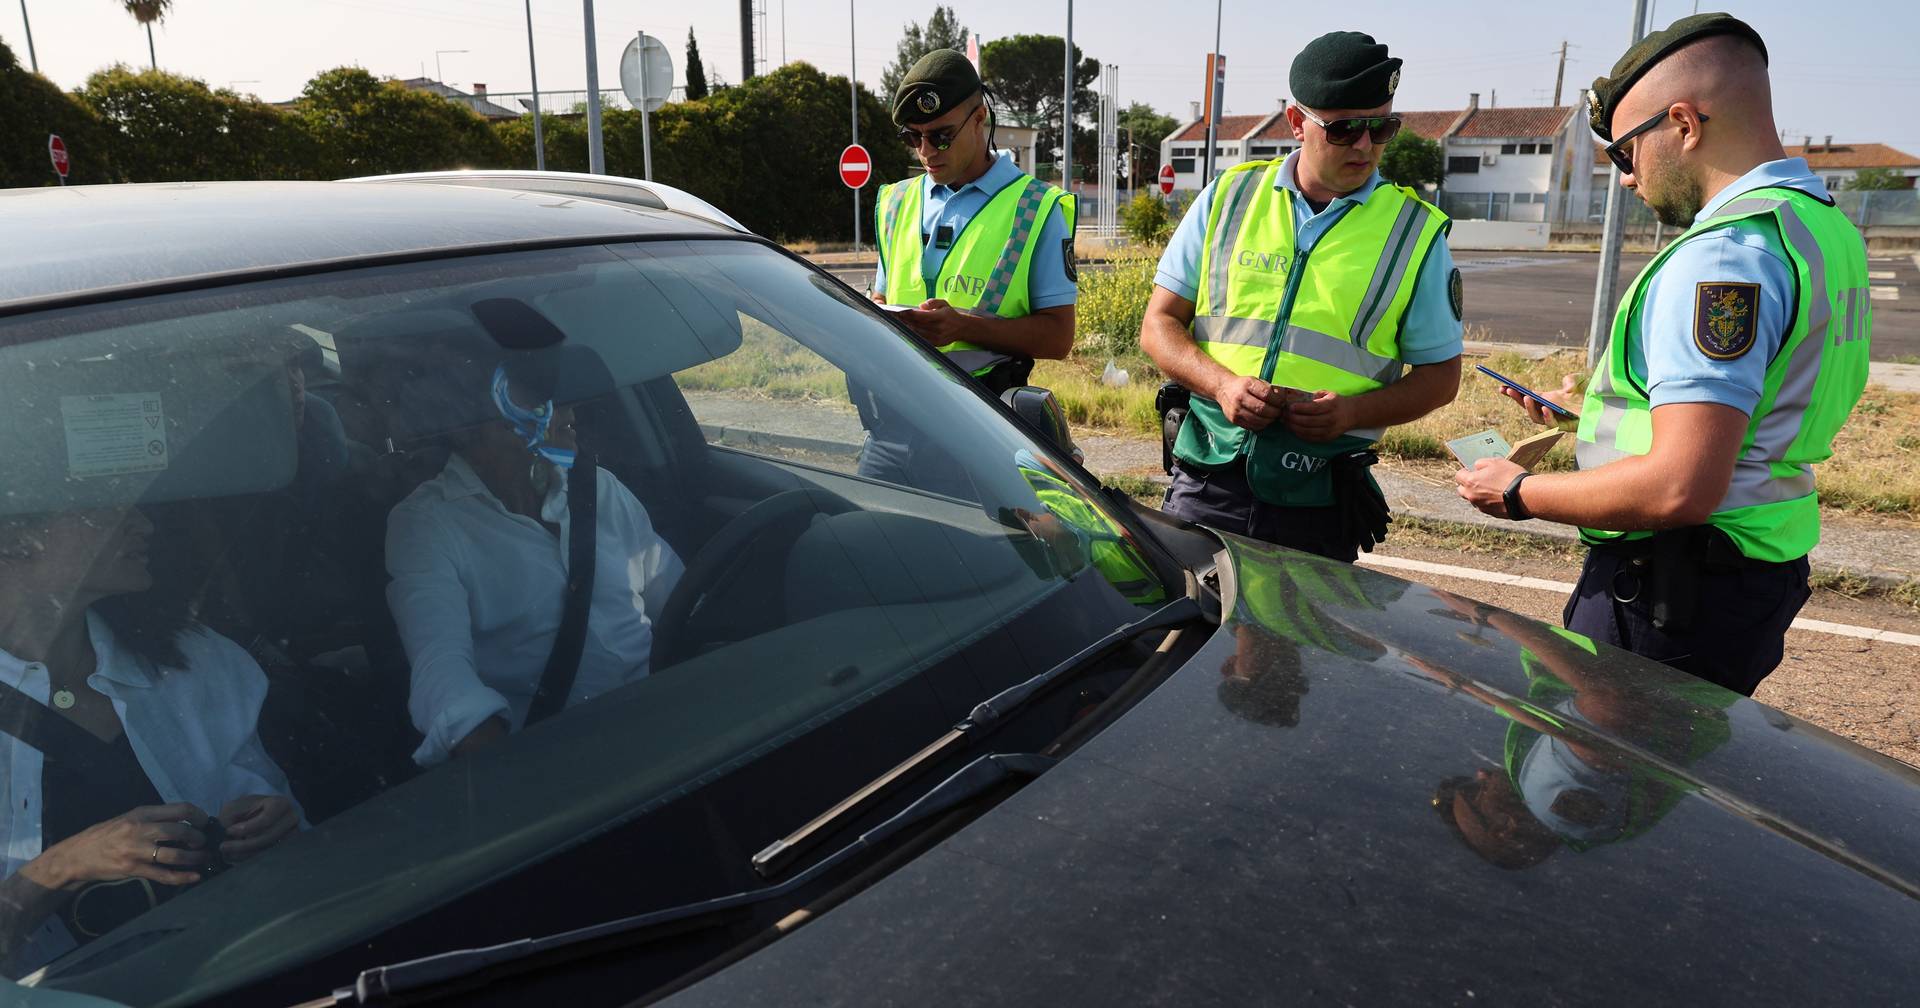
{"x": 36, "y": 107}
{"x": 696, "y": 71}
{"x": 942, "y": 31}
{"x": 1149, "y": 128}
{"x": 1412, "y": 160}
{"x": 1868, "y": 179}
{"x": 370, "y": 127}
{"x": 147, "y": 12}
{"x": 1025, "y": 73}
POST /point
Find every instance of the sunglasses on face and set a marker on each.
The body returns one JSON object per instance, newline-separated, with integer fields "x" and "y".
{"x": 1346, "y": 132}
{"x": 941, "y": 139}
{"x": 1619, "y": 151}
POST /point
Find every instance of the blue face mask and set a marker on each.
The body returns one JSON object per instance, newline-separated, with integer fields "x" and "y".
{"x": 531, "y": 424}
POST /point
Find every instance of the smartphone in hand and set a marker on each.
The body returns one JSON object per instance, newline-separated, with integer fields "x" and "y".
{"x": 1553, "y": 407}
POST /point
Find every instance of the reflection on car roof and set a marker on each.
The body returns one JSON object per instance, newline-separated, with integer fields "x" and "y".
{"x": 83, "y": 239}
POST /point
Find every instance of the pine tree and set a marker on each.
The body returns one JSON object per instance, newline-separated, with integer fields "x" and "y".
{"x": 942, "y": 31}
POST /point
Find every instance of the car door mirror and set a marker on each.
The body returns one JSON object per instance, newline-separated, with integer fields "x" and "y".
{"x": 1040, "y": 410}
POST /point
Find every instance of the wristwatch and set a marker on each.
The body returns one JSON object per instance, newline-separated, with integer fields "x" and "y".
{"x": 1516, "y": 510}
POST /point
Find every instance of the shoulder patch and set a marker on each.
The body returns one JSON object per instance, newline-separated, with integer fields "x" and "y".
{"x": 1724, "y": 318}
{"x": 1066, "y": 260}
{"x": 1456, "y": 294}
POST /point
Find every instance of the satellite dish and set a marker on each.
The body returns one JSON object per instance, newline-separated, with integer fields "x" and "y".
{"x": 647, "y": 90}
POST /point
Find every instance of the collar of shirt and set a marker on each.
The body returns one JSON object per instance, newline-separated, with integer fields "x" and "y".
{"x": 997, "y": 175}
{"x": 459, "y": 480}
{"x": 1791, "y": 173}
{"x": 1290, "y": 181}
{"x": 111, "y": 662}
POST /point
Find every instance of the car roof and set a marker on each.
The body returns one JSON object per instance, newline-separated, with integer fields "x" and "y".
{"x": 90, "y": 241}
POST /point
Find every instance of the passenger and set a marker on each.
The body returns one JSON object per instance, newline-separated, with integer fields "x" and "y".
{"x": 478, "y": 557}
{"x": 121, "y": 725}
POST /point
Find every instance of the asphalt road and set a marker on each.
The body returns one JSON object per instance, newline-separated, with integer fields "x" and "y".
{"x": 1546, "y": 298}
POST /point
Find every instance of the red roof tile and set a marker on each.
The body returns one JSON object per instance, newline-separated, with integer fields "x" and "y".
{"x": 1540, "y": 121}
{"x": 1430, "y": 125}
{"x": 1278, "y": 129}
{"x": 1865, "y": 155}
{"x": 1232, "y": 127}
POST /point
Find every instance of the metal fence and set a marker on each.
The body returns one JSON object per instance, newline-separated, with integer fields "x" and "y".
{"x": 568, "y": 102}
{"x": 1893, "y": 207}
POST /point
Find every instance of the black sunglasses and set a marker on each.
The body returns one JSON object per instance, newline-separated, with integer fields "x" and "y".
{"x": 1618, "y": 151}
{"x": 941, "y": 139}
{"x": 1346, "y": 132}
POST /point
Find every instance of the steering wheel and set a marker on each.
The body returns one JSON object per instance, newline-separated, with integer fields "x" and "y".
{"x": 781, "y": 518}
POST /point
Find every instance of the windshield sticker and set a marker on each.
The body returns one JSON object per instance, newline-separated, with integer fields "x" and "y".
{"x": 114, "y": 434}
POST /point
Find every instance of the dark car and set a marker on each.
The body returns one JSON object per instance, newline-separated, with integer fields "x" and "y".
{"x": 301, "y": 471}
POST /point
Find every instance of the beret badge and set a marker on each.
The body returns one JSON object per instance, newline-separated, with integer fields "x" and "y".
{"x": 928, "y": 102}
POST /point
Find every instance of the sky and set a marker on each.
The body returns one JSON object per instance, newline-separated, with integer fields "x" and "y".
{"x": 1854, "y": 74}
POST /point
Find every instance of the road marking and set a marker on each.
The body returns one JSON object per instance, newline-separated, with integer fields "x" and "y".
{"x": 1563, "y": 588}
{"x": 1502, "y": 262}
{"x": 1871, "y": 274}
{"x": 1885, "y": 293}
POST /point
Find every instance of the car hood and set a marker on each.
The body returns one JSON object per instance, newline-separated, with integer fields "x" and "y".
{"x": 1362, "y": 789}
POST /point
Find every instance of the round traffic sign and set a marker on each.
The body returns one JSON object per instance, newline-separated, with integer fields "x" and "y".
{"x": 1166, "y": 180}
{"x": 57, "y": 151}
{"x": 856, "y": 166}
{"x": 646, "y": 72}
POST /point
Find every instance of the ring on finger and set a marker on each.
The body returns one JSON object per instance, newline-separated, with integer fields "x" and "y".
{"x": 156, "y": 854}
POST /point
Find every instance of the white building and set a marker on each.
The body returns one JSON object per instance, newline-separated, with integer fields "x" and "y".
{"x": 1237, "y": 139}
{"x": 1839, "y": 163}
{"x": 1513, "y": 164}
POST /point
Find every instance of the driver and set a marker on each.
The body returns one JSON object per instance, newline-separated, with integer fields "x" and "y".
{"x": 478, "y": 559}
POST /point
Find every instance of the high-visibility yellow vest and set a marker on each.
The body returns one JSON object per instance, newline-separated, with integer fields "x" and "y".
{"x": 1109, "y": 548}
{"x": 1811, "y": 384}
{"x": 1327, "y": 318}
{"x": 986, "y": 268}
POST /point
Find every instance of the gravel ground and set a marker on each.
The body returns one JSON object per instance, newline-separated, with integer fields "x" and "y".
{"x": 1868, "y": 691}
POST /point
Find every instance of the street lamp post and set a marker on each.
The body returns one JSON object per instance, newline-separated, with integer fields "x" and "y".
{"x": 533, "y": 71}
{"x": 437, "y": 53}
{"x": 32, "y": 59}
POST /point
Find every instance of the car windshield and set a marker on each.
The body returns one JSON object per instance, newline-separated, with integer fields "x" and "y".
{"x": 561, "y": 580}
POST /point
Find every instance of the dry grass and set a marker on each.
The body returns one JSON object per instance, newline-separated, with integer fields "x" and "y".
{"x": 1876, "y": 459}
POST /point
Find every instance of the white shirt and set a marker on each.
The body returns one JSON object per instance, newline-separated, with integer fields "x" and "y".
{"x": 478, "y": 591}
{"x": 193, "y": 730}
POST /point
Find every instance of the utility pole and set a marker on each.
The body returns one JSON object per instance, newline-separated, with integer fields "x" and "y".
{"x": 32, "y": 59}
{"x": 746, "y": 40}
{"x": 1560, "y": 74}
{"x": 152, "y": 60}
{"x": 1066, "y": 113}
{"x": 1607, "y": 277}
{"x": 533, "y": 70}
{"x": 596, "y": 149}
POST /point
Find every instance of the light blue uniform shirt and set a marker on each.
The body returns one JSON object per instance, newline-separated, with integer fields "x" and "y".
{"x": 1664, "y": 351}
{"x": 1428, "y": 335}
{"x": 1048, "y": 285}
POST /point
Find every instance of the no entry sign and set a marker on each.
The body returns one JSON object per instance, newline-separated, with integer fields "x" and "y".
{"x": 1166, "y": 180}
{"x": 57, "y": 153}
{"x": 856, "y": 166}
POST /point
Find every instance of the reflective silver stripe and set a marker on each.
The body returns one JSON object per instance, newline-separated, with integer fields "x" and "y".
{"x": 1776, "y": 431}
{"x": 1317, "y": 346}
{"x": 1388, "y": 271}
{"x": 1238, "y": 191}
{"x": 1336, "y": 352}
{"x": 1026, "y": 215}
{"x": 1605, "y": 446}
{"x": 1234, "y": 331}
{"x": 1754, "y": 483}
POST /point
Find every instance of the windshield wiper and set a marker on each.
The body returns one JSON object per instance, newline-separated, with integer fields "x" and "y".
{"x": 776, "y": 856}
{"x": 383, "y": 982}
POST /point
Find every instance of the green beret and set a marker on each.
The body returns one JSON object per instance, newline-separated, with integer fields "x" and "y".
{"x": 934, "y": 86}
{"x": 1344, "y": 70}
{"x": 1609, "y": 90}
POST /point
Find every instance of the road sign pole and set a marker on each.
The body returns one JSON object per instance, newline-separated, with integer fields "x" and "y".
{"x": 1607, "y": 277}
{"x": 596, "y": 151}
{"x": 853, "y": 89}
{"x": 646, "y": 123}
